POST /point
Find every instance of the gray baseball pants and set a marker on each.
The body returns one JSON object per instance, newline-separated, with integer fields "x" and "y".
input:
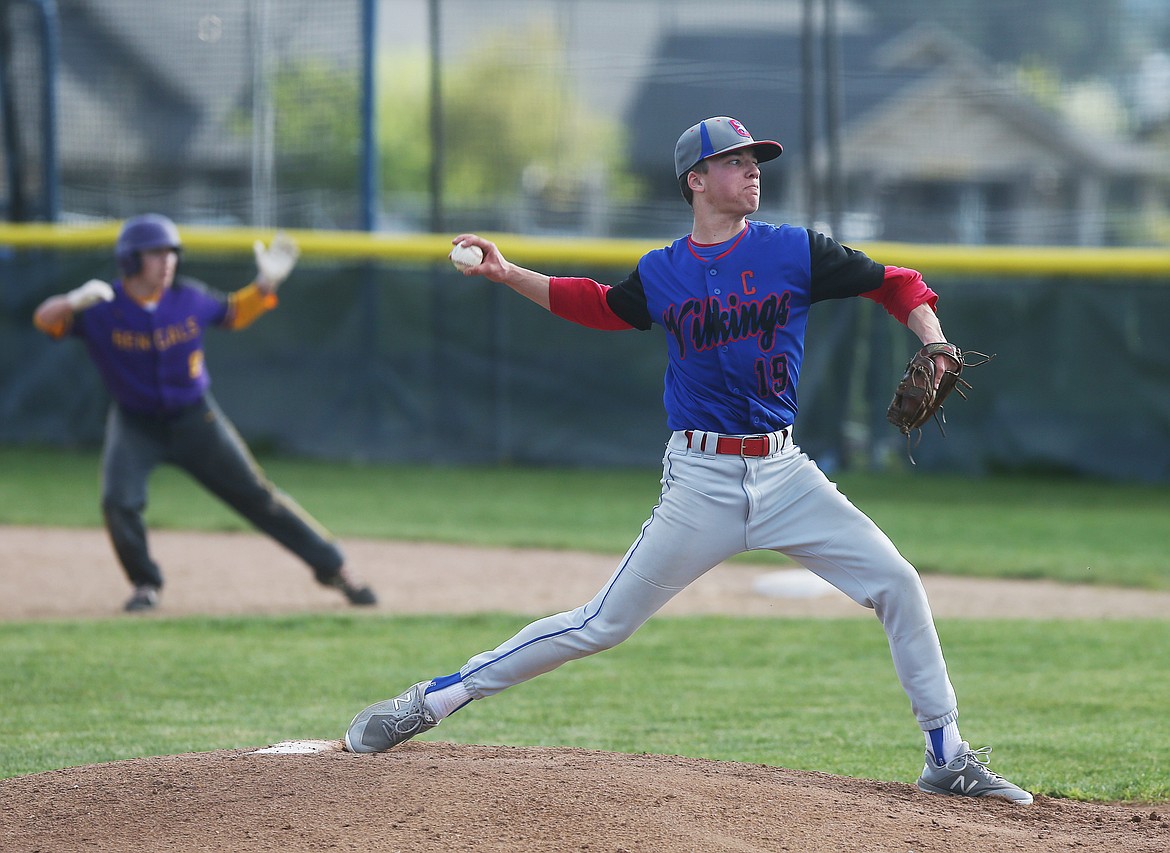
{"x": 711, "y": 508}
{"x": 205, "y": 444}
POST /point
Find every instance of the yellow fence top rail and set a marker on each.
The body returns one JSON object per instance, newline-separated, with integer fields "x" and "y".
{"x": 557, "y": 253}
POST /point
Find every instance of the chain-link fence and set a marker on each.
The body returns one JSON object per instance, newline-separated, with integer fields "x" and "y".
{"x": 908, "y": 120}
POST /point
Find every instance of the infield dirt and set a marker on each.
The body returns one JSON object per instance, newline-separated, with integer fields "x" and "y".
{"x": 429, "y": 797}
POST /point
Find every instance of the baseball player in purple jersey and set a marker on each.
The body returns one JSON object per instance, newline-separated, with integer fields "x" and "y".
{"x": 144, "y": 333}
{"x": 732, "y": 299}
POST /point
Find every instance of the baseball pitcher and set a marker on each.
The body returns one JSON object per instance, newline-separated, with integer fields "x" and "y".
{"x": 732, "y": 301}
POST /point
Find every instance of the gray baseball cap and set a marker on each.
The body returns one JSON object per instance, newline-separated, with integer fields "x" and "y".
{"x": 715, "y": 136}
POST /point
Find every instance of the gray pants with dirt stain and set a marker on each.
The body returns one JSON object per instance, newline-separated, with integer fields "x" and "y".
{"x": 204, "y": 443}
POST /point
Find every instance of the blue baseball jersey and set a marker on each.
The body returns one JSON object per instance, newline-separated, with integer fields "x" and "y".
{"x": 735, "y": 316}
{"x": 151, "y": 360}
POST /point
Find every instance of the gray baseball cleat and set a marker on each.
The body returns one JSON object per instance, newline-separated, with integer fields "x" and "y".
{"x": 355, "y": 591}
{"x": 145, "y": 597}
{"x": 386, "y": 724}
{"x": 967, "y": 775}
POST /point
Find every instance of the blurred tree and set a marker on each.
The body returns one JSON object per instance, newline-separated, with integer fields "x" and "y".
{"x": 510, "y": 122}
{"x": 511, "y": 125}
{"x": 318, "y": 130}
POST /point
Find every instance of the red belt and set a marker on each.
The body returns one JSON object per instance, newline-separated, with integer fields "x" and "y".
{"x": 741, "y": 445}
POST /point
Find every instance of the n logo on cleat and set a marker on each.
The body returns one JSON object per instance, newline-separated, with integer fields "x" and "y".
{"x": 958, "y": 783}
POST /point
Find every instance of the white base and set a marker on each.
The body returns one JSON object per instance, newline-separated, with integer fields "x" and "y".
{"x": 300, "y": 747}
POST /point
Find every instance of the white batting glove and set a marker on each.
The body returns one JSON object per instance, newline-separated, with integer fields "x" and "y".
{"x": 89, "y": 294}
{"x": 277, "y": 261}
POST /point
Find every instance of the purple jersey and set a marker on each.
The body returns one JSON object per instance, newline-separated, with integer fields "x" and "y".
{"x": 735, "y": 316}
{"x": 152, "y": 360}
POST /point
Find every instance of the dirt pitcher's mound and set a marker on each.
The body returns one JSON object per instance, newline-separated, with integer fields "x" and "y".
{"x": 437, "y": 797}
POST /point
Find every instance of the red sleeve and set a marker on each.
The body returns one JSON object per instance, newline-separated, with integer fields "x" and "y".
{"x": 901, "y": 292}
{"x": 582, "y": 300}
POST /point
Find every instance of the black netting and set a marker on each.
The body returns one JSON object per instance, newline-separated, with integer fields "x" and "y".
{"x": 400, "y": 362}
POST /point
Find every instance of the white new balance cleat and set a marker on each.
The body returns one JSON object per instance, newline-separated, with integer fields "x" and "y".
{"x": 384, "y": 725}
{"x": 967, "y": 775}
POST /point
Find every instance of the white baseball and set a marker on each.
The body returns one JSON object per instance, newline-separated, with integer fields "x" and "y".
{"x": 465, "y": 257}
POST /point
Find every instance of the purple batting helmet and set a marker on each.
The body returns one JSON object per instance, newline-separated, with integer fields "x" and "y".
{"x": 139, "y": 233}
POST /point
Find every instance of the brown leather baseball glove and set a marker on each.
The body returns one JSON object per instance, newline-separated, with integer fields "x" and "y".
{"x": 920, "y": 393}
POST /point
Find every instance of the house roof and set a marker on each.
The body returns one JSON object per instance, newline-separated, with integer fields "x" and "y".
{"x": 754, "y": 76}
{"x": 959, "y": 117}
{"x": 920, "y": 103}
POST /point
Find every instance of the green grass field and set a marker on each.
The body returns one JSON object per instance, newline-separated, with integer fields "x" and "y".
{"x": 1073, "y": 708}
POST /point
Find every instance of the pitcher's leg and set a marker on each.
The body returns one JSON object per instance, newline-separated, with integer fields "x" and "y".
{"x": 830, "y": 536}
{"x": 697, "y": 524}
{"x": 865, "y": 565}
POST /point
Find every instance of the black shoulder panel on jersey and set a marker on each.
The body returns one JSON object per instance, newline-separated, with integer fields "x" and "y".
{"x": 838, "y": 271}
{"x": 628, "y": 301}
